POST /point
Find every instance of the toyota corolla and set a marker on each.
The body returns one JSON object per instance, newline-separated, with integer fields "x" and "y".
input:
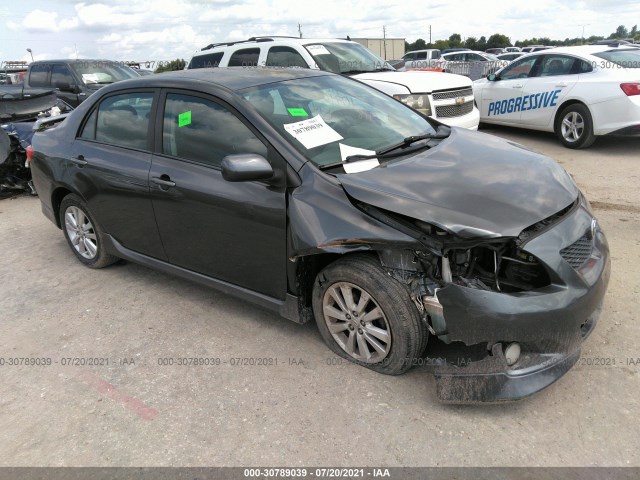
{"x": 322, "y": 199}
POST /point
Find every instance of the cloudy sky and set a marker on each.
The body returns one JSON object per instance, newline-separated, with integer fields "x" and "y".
{"x": 168, "y": 29}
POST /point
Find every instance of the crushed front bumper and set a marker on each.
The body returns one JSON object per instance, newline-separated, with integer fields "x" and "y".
{"x": 550, "y": 323}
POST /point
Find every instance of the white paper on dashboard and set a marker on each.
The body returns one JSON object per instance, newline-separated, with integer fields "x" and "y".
{"x": 318, "y": 50}
{"x": 312, "y": 132}
{"x": 360, "y": 165}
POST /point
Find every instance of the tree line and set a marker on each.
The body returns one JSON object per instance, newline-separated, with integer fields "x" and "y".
{"x": 497, "y": 40}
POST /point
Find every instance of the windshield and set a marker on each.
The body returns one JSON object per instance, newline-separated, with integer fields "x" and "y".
{"x": 100, "y": 73}
{"x": 346, "y": 58}
{"x": 624, "y": 58}
{"x": 324, "y": 117}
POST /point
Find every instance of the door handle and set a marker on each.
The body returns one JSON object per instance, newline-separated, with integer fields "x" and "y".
{"x": 163, "y": 182}
{"x": 79, "y": 160}
{"x": 517, "y": 85}
{"x": 561, "y": 84}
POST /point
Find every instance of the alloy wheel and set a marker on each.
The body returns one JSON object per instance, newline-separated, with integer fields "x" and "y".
{"x": 356, "y": 322}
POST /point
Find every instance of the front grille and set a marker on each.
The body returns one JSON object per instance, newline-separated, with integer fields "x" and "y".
{"x": 578, "y": 252}
{"x": 452, "y": 94}
{"x": 445, "y": 111}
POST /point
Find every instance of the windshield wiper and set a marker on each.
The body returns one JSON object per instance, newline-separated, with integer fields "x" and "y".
{"x": 441, "y": 133}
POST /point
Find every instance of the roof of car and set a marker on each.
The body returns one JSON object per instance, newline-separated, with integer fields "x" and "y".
{"x": 77, "y": 60}
{"x": 583, "y": 49}
{"x": 275, "y": 39}
{"x": 233, "y": 78}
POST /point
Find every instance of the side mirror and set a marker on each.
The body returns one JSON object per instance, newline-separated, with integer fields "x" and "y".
{"x": 245, "y": 168}
{"x": 66, "y": 87}
{"x": 492, "y": 77}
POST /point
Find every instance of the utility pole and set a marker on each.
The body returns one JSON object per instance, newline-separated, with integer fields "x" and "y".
{"x": 429, "y": 34}
{"x": 384, "y": 37}
{"x": 300, "y": 30}
{"x": 583, "y": 25}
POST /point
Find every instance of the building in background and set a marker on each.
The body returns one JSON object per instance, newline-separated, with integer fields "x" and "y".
{"x": 389, "y": 48}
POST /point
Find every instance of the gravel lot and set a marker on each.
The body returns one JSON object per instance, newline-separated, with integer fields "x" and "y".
{"x": 310, "y": 408}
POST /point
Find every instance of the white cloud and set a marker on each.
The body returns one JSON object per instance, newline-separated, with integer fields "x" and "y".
{"x": 168, "y": 29}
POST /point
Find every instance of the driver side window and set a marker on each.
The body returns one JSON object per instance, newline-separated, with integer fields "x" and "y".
{"x": 519, "y": 69}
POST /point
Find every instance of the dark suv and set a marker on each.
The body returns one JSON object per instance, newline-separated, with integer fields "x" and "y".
{"x": 316, "y": 196}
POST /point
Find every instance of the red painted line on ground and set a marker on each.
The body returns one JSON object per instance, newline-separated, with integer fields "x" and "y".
{"x": 105, "y": 388}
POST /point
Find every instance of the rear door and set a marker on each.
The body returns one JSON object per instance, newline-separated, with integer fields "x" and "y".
{"x": 109, "y": 166}
{"x": 233, "y": 231}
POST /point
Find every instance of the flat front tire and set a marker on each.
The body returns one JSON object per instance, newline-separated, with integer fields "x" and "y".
{"x": 368, "y": 317}
{"x": 83, "y": 234}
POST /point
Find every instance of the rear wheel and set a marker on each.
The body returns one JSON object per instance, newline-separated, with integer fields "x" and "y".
{"x": 366, "y": 316}
{"x": 574, "y": 126}
{"x": 84, "y": 236}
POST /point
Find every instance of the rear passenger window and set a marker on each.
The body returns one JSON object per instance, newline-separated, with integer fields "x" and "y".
{"x": 122, "y": 120}
{"x": 203, "y": 131}
{"x": 210, "y": 60}
{"x": 247, "y": 57}
{"x": 285, "y": 57}
{"x": 39, "y": 76}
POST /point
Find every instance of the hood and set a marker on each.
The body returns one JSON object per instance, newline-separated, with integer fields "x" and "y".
{"x": 472, "y": 184}
{"x": 418, "y": 82}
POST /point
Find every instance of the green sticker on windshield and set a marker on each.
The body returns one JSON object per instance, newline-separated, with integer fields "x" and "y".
{"x": 184, "y": 119}
{"x": 297, "y": 112}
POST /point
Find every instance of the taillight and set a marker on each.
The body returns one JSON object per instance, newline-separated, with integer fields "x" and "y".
{"x": 630, "y": 89}
{"x": 29, "y": 151}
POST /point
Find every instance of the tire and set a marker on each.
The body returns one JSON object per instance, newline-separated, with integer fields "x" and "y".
{"x": 400, "y": 334}
{"x": 574, "y": 126}
{"x": 83, "y": 234}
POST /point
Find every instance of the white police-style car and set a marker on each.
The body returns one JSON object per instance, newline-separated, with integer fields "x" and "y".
{"x": 577, "y": 92}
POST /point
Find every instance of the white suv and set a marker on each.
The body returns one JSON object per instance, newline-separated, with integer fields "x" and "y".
{"x": 445, "y": 97}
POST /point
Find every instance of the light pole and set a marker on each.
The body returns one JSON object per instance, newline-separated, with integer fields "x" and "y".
{"x": 583, "y": 25}
{"x": 31, "y": 53}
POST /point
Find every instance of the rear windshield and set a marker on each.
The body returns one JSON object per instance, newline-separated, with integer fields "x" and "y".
{"x": 623, "y": 58}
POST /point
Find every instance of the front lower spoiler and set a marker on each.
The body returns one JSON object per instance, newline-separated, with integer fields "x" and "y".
{"x": 492, "y": 381}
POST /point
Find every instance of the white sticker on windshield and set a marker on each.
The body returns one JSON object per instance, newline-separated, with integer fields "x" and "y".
{"x": 313, "y": 132}
{"x": 318, "y": 50}
{"x": 359, "y": 165}
{"x": 90, "y": 78}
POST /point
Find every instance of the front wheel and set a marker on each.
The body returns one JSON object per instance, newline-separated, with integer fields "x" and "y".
{"x": 83, "y": 234}
{"x": 574, "y": 127}
{"x": 367, "y": 317}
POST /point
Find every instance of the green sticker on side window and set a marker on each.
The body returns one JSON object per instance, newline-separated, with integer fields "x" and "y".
{"x": 297, "y": 112}
{"x": 184, "y": 119}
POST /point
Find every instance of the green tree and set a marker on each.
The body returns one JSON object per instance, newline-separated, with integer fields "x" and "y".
{"x": 419, "y": 44}
{"x": 482, "y": 43}
{"x": 498, "y": 40}
{"x": 472, "y": 43}
{"x": 455, "y": 41}
{"x": 441, "y": 44}
{"x": 177, "y": 64}
{"x": 621, "y": 32}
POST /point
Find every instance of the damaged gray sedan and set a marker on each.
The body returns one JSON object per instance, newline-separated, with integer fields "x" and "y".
{"x": 320, "y": 198}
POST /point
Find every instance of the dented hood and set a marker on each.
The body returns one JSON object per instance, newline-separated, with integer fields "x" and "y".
{"x": 472, "y": 184}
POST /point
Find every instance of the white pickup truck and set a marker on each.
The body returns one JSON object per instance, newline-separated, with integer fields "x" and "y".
{"x": 445, "y": 97}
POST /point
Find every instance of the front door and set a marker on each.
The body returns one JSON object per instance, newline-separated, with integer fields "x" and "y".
{"x": 502, "y": 98}
{"x": 232, "y": 231}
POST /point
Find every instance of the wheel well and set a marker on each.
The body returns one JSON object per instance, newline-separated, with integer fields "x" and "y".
{"x": 56, "y": 199}
{"x": 307, "y": 269}
{"x": 565, "y": 105}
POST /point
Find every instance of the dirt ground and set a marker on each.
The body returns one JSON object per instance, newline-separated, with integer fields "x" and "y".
{"x": 305, "y": 406}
